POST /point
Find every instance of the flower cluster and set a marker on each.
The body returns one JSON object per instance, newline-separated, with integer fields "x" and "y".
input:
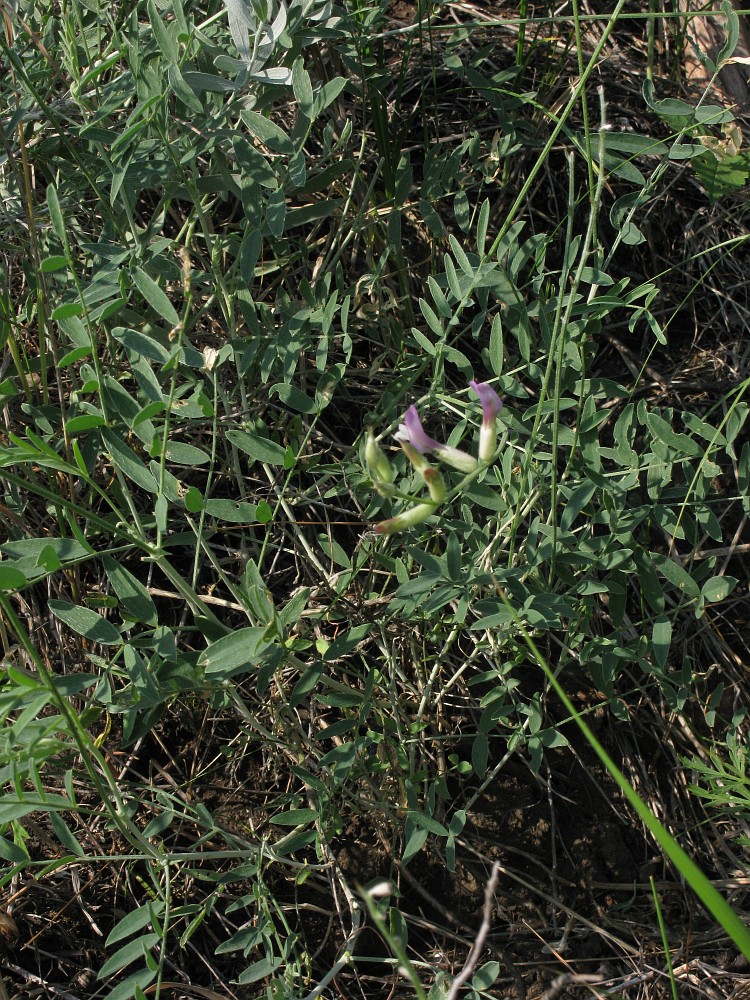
{"x": 416, "y": 443}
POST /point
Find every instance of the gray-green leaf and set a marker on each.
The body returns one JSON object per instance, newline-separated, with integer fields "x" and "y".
{"x": 86, "y": 622}
{"x": 131, "y": 592}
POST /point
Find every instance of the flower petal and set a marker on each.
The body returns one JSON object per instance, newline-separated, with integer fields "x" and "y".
{"x": 491, "y": 402}
{"x": 414, "y": 433}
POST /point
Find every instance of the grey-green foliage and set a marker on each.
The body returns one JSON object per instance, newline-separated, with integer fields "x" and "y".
{"x": 720, "y": 776}
{"x": 189, "y": 427}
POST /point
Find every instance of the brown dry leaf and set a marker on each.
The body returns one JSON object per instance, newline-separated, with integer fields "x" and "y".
{"x": 706, "y": 33}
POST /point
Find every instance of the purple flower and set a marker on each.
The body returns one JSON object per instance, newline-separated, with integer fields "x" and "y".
{"x": 491, "y": 406}
{"x": 491, "y": 402}
{"x": 412, "y": 433}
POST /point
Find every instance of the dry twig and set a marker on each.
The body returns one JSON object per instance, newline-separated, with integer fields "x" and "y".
{"x": 484, "y": 929}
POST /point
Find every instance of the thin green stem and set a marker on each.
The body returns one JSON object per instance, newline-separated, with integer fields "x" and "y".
{"x": 664, "y": 939}
{"x": 713, "y": 901}
{"x": 93, "y": 760}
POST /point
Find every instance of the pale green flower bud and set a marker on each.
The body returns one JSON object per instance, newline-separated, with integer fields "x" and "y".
{"x": 431, "y": 476}
{"x": 408, "y": 519}
{"x": 435, "y": 484}
{"x": 456, "y": 458}
{"x": 415, "y": 515}
{"x": 378, "y": 466}
{"x": 418, "y": 460}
